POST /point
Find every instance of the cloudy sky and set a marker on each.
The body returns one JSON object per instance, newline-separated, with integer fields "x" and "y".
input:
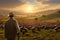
{"x": 40, "y": 4}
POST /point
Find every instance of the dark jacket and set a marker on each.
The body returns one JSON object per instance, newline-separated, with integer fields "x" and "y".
{"x": 10, "y": 28}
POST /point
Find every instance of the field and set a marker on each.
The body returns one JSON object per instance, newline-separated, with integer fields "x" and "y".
{"x": 31, "y": 29}
{"x": 43, "y": 34}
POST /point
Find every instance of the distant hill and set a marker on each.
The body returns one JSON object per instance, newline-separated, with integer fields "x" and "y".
{"x": 54, "y": 15}
{"x": 47, "y": 12}
{"x": 3, "y": 12}
{"x": 38, "y": 14}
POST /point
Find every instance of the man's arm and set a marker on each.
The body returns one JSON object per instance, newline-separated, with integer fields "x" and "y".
{"x": 18, "y": 28}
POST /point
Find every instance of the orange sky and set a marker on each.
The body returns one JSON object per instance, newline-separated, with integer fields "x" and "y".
{"x": 36, "y": 7}
{"x": 33, "y": 5}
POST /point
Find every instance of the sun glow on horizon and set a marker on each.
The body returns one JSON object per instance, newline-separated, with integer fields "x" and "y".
{"x": 27, "y": 8}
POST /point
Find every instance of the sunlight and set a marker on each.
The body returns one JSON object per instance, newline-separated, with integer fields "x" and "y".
{"x": 29, "y": 9}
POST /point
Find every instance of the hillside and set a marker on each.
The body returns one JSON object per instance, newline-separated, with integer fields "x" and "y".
{"x": 48, "y": 14}
{"x": 20, "y": 13}
{"x": 54, "y": 15}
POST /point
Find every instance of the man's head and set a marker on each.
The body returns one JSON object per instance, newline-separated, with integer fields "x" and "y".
{"x": 11, "y": 15}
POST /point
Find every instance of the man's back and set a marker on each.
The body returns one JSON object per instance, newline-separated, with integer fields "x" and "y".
{"x": 10, "y": 28}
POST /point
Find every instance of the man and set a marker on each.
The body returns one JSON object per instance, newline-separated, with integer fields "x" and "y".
{"x": 11, "y": 28}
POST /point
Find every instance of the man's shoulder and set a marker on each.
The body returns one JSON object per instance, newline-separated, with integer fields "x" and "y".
{"x": 14, "y": 20}
{"x": 10, "y": 20}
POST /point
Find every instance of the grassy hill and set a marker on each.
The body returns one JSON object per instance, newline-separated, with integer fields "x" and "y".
{"x": 55, "y": 15}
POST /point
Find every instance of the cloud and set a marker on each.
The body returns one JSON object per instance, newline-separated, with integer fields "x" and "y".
{"x": 49, "y": 1}
{"x": 6, "y": 4}
{"x": 9, "y": 3}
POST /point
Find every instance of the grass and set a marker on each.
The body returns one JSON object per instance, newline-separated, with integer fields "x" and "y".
{"x": 43, "y": 34}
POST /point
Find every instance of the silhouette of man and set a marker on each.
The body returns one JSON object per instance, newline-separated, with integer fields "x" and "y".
{"x": 11, "y": 28}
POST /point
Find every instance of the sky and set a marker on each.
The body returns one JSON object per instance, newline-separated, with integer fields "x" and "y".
{"x": 39, "y": 4}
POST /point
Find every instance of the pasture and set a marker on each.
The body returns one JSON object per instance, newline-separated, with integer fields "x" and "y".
{"x": 43, "y": 34}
